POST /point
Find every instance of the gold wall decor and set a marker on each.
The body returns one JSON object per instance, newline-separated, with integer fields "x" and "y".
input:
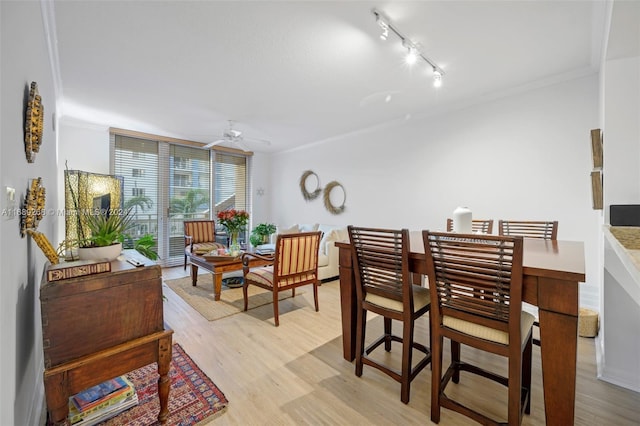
{"x": 33, "y": 123}
{"x": 45, "y": 245}
{"x": 308, "y": 196}
{"x": 327, "y": 198}
{"x": 33, "y": 207}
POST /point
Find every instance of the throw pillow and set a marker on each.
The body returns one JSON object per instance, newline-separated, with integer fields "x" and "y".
{"x": 293, "y": 230}
{"x": 326, "y": 238}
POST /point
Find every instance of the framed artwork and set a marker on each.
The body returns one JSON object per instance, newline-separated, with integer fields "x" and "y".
{"x": 596, "y": 189}
{"x": 596, "y": 148}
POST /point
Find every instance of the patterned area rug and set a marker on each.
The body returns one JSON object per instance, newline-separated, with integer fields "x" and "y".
{"x": 193, "y": 396}
{"x": 231, "y": 302}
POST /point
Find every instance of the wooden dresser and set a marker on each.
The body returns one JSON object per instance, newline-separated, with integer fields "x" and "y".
{"x": 101, "y": 326}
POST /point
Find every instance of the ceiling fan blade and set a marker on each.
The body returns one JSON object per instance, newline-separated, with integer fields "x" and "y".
{"x": 262, "y": 141}
{"x": 214, "y": 143}
{"x": 242, "y": 146}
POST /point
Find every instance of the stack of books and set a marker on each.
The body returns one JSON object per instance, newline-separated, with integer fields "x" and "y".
{"x": 101, "y": 402}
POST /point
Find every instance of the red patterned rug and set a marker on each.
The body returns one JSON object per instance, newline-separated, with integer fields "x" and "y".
{"x": 193, "y": 396}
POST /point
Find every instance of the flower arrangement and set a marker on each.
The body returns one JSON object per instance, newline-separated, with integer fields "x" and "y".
{"x": 233, "y": 220}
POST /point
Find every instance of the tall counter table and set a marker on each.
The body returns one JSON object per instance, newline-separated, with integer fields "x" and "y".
{"x": 552, "y": 272}
{"x": 100, "y": 326}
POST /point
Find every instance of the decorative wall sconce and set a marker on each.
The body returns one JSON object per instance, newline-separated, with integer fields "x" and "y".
{"x": 33, "y": 123}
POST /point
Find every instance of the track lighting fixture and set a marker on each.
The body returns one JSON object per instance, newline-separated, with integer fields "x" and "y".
{"x": 413, "y": 52}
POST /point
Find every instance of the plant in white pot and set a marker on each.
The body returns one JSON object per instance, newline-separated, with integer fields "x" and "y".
{"x": 107, "y": 235}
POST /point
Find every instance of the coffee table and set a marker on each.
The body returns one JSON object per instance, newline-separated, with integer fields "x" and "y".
{"x": 218, "y": 265}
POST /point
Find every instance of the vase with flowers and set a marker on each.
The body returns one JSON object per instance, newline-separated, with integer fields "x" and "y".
{"x": 233, "y": 221}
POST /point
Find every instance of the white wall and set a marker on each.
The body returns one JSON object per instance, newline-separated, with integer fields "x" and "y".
{"x": 522, "y": 157}
{"x": 621, "y": 135}
{"x": 77, "y": 139}
{"x": 24, "y": 59}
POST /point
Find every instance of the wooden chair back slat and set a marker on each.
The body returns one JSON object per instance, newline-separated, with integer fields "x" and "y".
{"x": 475, "y": 274}
{"x": 296, "y": 256}
{"x": 547, "y": 230}
{"x": 200, "y": 231}
{"x": 381, "y": 261}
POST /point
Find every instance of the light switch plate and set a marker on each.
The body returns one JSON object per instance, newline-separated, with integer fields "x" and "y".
{"x": 10, "y": 204}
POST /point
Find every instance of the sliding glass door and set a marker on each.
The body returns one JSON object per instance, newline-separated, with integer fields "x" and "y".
{"x": 188, "y": 190}
{"x": 231, "y": 186}
{"x": 166, "y": 184}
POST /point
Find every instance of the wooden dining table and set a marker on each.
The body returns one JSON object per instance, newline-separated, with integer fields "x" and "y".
{"x": 552, "y": 271}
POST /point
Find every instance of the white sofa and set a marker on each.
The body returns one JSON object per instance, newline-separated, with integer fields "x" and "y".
{"x": 328, "y": 253}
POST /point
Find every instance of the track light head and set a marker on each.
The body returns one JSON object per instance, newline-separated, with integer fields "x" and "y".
{"x": 384, "y": 26}
{"x": 412, "y": 55}
{"x": 437, "y": 78}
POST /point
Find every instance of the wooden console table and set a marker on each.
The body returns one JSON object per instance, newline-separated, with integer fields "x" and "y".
{"x": 101, "y": 326}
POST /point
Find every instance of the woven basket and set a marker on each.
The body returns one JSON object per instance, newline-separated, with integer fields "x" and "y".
{"x": 587, "y": 323}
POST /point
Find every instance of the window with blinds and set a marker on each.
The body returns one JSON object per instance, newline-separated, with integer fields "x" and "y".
{"x": 166, "y": 183}
{"x": 136, "y": 160}
{"x": 231, "y": 185}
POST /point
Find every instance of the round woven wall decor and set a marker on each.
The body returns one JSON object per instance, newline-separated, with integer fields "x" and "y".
{"x": 327, "y": 197}
{"x": 303, "y": 186}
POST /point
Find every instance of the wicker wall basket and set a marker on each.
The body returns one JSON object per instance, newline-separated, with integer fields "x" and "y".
{"x": 587, "y": 323}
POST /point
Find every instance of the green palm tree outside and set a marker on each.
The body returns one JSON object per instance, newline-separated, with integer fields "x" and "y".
{"x": 193, "y": 200}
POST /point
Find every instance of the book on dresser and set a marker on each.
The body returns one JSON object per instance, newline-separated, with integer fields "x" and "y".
{"x": 102, "y": 399}
{"x": 77, "y": 268}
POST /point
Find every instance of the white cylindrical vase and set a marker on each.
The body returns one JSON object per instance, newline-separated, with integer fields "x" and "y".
{"x": 462, "y": 220}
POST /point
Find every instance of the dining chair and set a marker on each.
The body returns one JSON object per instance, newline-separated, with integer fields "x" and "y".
{"x": 383, "y": 286}
{"x": 482, "y": 226}
{"x": 476, "y": 292}
{"x": 546, "y": 230}
{"x": 199, "y": 237}
{"x": 294, "y": 264}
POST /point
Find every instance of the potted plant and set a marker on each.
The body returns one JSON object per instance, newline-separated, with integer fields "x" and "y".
{"x": 107, "y": 233}
{"x": 262, "y": 233}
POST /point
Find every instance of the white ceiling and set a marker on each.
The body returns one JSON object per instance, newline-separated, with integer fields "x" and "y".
{"x": 299, "y": 72}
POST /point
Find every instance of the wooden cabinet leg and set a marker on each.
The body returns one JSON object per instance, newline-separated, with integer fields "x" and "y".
{"x": 56, "y": 390}
{"x": 164, "y": 382}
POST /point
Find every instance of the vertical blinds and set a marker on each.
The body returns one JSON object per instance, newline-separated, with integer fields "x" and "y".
{"x": 230, "y": 182}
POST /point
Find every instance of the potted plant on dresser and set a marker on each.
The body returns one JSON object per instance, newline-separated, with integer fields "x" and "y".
{"x": 107, "y": 233}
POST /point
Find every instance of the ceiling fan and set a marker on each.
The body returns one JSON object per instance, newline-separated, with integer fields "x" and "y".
{"x": 235, "y": 137}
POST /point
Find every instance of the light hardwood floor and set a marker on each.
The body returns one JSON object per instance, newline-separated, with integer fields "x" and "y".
{"x": 294, "y": 374}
